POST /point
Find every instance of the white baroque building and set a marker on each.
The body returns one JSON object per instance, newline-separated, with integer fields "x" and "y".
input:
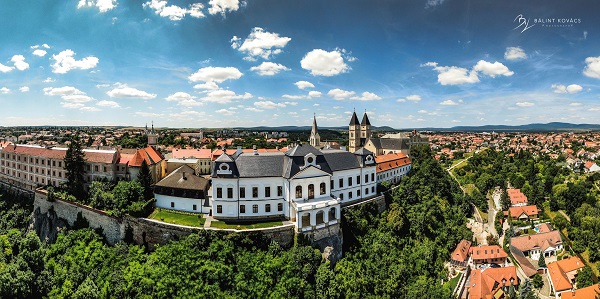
{"x": 305, "y": 185}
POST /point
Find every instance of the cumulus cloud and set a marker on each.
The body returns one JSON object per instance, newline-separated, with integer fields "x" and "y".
{"x": 492, "y": 69}
{"x": 339, "y": 94}
{"x": 449, "y": 103}
{"x": 367, "y": 96}
{"x": 174, "y": 12}
{"x": 207, "y": 86}
{"x": 304, "y": 84}
{"x": 72, "y": 97}
{"x": 102, "y": 5}
{"x": 49, "y": 80}
{"x": 525, "y": 104}
{"x": 215, "y": 74}
{"x": 269, "y": 105}
{"x": 260, "y": 43}
{"x": 62, "y": 91}
{"x": 514, "y": 53}
{"x": 314, "y": 94}
{"x": 123, "y": 91}
{"x": 180, "y": 96}
{"x": 592, "y": 68}
{"x": 453, "y": 75}
{"x": 322, "y": 63}
{"x": 223, "y": 96}
{"x": 24, "y": 89}
{"x": 5, "y": 68}
{"x": 412, "y": 97}
{"x": 66, "y": 62}
{"x": 108, "y": 104}
{"x": 223, "y": 6}
{"x": 19, "y": 62}
{"x": 69, "y": 105}
{"x": 225, "y": 112}
{"x": 90, "y": 109}
{"x": 4, "y": 90}
{"x": 572, "y": 89}
{"x": 39, "y": 52}
{"x": 269, "y": 68}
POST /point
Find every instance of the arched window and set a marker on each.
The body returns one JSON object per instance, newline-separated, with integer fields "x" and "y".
{"x": 311, "y": 191}
{"x": 332, "y": 214}
{"x": 320, "y": 216}
{"x": 322, "y": 188}
{"x": 298, "y": 191}
{"x": 306, "y": 220}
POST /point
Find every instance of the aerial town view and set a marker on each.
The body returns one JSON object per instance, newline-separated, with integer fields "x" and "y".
{"x": 300, "y": 149}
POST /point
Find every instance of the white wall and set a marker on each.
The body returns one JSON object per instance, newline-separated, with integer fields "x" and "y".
{"x": 181, "y": 203}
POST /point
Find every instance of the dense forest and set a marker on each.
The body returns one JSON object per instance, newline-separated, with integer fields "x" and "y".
{"x": 395, "y": 254}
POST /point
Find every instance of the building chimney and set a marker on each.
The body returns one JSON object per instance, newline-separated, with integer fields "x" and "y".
{"x": 254, "y": 149}
{"x": 183, "y": 175}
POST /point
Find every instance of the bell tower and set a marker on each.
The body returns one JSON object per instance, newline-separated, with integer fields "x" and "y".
{"x": 353, "y": 134}
{"x": 315, "y": 139}
{"x": 152, "y": 136}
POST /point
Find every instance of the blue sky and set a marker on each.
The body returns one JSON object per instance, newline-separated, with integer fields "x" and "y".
{"x": 224, "y": 63}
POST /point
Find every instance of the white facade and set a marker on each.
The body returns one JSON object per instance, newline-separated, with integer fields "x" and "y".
{"x": 394, "y": 175}
{"x": 194, "y": 205}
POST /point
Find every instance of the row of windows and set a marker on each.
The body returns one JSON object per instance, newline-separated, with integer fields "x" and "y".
{"x": 350, "y": 194}
{"x": 350, "y": 180}
{"x": 311, "y": 190}
{"x": 7, "y": 171}
{"x": 254, "y": 192}
{"x": 31, "y": 160}
{"x": 254, "y": 208}
{"x": 393, "y": 173}
{"x": 194, "y": 207}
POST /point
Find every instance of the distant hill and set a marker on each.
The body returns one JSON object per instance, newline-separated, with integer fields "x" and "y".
{"x": 537, "y": 127}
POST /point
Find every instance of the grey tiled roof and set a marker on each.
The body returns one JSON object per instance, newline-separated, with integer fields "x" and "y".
{"x": 302, "y": 150}
{"x": 261, "y": 165}
{"x": 341, "y": 160}
{"x": 177, "y": 180}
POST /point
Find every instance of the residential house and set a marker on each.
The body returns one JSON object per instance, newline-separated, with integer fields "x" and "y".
{"x": 392, "y": 167}
{"x": 517, "y": 198}
{"x": 182, "y": 190}
{"x": 583, "y": 293}
{"x": 199, "y": 159}
{"x": 562, "y": 275}
{"x": 487, "y": 254}
{"x": 460, "y": 255}
{"x": 523, "y": 213}
{"x": 492, "y": 283}
{"x": 591, "y": 167}
{"x": 548, "y": 243}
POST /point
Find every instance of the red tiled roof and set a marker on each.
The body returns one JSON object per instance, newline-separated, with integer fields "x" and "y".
{"x": 585, "y": 293}
{"x": 482, "y": 282}
{"x": 391, "y": 161}
{"x": 516, "y": 212}
{"x": 192, "y": 153}
{"x": 559, "y": 272}
{"x": 516, "y": 196}
{"x": 487, "y": 252}
{"x": 538, "y": 241}
{"x": 462, "y": 251}
{"x": 150, "y": 154}
{"x": 94, "y": 156}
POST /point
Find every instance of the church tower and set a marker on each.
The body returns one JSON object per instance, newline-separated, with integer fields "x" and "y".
{"x": 152, "y": 136}
{"x": 365, "y": 130}
{"x": 354, "y": 134}
{"x": 315, "y": 139}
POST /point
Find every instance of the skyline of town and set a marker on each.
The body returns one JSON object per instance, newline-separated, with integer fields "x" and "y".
{"x": 231, "y": 63}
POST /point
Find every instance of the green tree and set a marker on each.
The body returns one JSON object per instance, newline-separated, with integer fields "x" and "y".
{"x": 542, "y": 261}
{"x": 145, "y": 179}
{"x": 75, "y": 168}
{"x": 560, "y": 222}
{"x": 538, "y": 282}
{"x": 584, "y": 277}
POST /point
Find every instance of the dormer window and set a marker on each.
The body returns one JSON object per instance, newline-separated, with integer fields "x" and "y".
{"x": 369, "y": 159}
{"x": 223, "y": 169}
{"x": 310, "y": 160}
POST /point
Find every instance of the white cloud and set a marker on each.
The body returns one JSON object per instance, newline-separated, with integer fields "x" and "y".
{"x": 24, "y": 89}
{"x": 70, "y": 105}
{"x": 49, "y": 80}
{"x": 223, "y": 6}
{"x": 215, "y": 74}
{"x": 433, "y": 3}
{"x": 102, "y": 5}
{"x": 292, "y": 97}
{"x": 208, "y": 85}
{"x": 455, "y": 121}
{"x": 339, "y": 94}
{"x": 572, "y": 89}
{"x": 449, "y": 103}
{"x": 19, "y": 62}
{"x": 180, "y": 96}
{"x": 253, "y": 109}
{"x": 412, "y": 97}
{"x": 314, "y": 94}
{"x": 322, "y": 63}
{"x": 46, "y": 46}
{"x": 66, "y": 62}
{"x": 77, "y": 98}
{"x": 492, "y": 69}
{"x": 525, "y": 104}
{"x": 109, "y": 104}
{"x": 304, "y": 84}
{"x": 90, "y": 109}
{"x": 123, "y": 91}
{"x": 223, "y": 96}
{"x": 367, "y": 96}
{"x": 575, "y": 104}
{"x": 225, "y": 112}
{"x": 453, "y": 75}
{"x": 62, "y": 91}
{"x": 269, "y": 105}
{"x": 39, "y": 52}
{"x": 4, "y": 90}
{"x": 260, "y": 43}
{"x": 592, "y": 68}
{"x": 189, "y": 103}
{"x": 269, "y": 68}
{"x": 148, "y": 114}
{"x": 514, "y": 53}
{"x": 5, "y": 68}
{"x": 174, "y": 12}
